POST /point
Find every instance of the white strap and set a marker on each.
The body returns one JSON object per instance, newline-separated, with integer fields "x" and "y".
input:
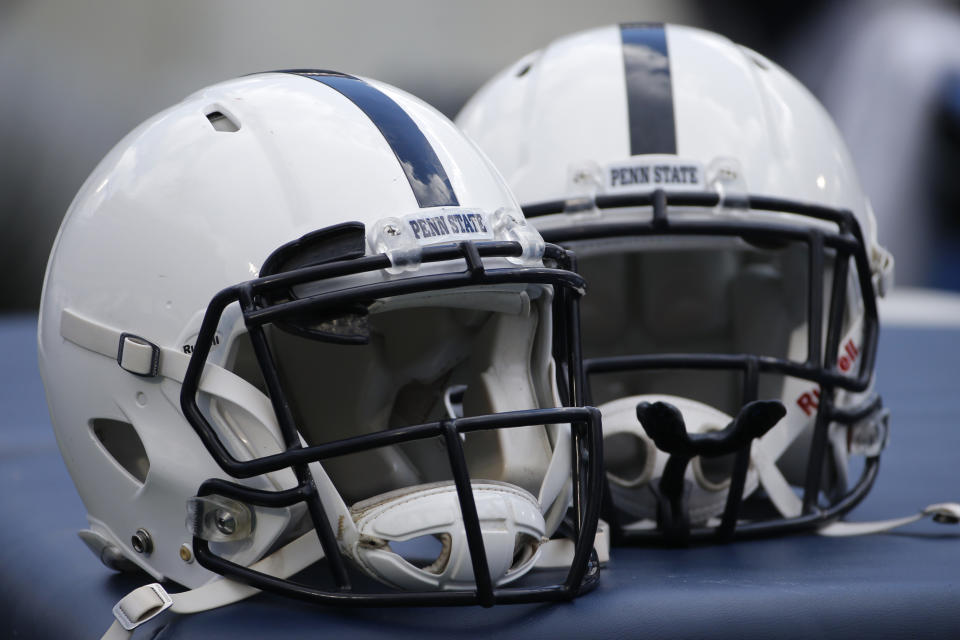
{"x": 947, "y": 512}
{"x": 100, "y": 338}
{"x": 88, "y": 334}
{"x": 116, "y": 632}
{"x": 283, "y": 563}
{"x": 778, "y": 489}
{"x": 135, "y": 607}
{"x": 105, "y": 340}
{"x": 558, "y": 554}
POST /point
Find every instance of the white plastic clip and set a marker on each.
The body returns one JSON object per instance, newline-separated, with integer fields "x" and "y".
{"x": 218, "y": 519}
{"x": 584, "y": 179}
{"x": 141, "y": 605}
{"x": 725, "y": 176}
{"x": 512, "y": 226}
{"x": 882, "y": 263}
{"x": 392, "y": 237}
{"x": 869, "y": 436}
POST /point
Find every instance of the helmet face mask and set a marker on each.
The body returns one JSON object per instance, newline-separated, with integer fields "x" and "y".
{"x": 324, "y": 332}
{"x": 732, "y": 265}
{"x": 766, "y": 314}
{"x": 370, "y": 464}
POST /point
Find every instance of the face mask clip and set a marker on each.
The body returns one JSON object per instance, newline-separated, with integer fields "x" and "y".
{"x": 725, "y": 177}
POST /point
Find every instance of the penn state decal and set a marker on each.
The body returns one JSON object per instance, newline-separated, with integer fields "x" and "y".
{"x": 654, "y": 171}
{"x": 452, "y": 225}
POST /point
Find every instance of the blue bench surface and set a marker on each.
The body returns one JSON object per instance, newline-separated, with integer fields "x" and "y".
{"x": 900, "y": 584}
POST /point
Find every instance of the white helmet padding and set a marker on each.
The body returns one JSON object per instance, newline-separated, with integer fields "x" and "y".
{"x": 488, "y": 340}
{"x": 510, "y": 521}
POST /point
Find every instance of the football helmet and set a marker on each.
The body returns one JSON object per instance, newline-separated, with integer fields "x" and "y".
{"x": 730, "y": 329}
{"x": 302, "y": 314}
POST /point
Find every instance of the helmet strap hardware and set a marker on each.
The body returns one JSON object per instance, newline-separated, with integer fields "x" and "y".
{"x": 138, "y": 355}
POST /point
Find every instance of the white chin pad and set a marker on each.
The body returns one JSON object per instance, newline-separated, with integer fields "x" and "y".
{"x": 630, "y": 481}
{"x": 510, "y": 521}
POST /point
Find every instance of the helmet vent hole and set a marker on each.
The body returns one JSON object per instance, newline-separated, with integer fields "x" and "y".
{"x": 121, "y": 441}
{"x": 222, "y": 122}
{"x": 430, "y": 553}
{"x": 524, "y": 70}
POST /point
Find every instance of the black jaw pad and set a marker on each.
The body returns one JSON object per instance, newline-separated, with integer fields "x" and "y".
{"x": 664, "y": 423}
{"x": 343, "y": 241}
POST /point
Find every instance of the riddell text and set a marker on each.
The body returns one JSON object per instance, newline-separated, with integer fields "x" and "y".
{"x": 809, "y": 401}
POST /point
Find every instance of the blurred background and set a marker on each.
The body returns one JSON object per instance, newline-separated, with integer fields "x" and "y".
{"x": 75, "y": 76}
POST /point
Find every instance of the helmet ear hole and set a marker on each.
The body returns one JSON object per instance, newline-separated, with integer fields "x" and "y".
{"x": 120, "y": 440}
{"x": 628, "y": 458}
{"x": 713, "y": 474}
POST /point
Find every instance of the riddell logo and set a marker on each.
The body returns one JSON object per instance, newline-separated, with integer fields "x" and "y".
{"x": 846, "y": 359}
{"x": 809, "y": 401}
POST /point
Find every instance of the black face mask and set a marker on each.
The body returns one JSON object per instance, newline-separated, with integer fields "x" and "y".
{"x": 678, "y": 327}
{"x": 295, "y": 302}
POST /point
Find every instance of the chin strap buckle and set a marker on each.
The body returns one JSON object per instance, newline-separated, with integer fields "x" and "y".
{"x": 141, "y": 605}
{"x": 664, "y": 424}
{"x": 138, "y": 355}
{"x": 944, "y": 512}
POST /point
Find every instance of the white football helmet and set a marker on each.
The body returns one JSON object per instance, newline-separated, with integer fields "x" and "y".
{"x": 731, "y": 257}
{"x": 300, "y": 312}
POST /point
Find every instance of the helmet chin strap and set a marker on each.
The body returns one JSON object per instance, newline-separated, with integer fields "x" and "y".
{"x": 148, "y": 601}
{"x": 511, "y": 525}
{"x": 943, "y": 512}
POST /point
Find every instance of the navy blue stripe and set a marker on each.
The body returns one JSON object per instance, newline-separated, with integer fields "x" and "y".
{"x": 420, "y": 163}
{"x": 646, "y": 65}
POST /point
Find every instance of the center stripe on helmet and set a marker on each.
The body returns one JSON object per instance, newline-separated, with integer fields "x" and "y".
{"x": 646, "y": 65}
{"x": 419, "y": 161}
